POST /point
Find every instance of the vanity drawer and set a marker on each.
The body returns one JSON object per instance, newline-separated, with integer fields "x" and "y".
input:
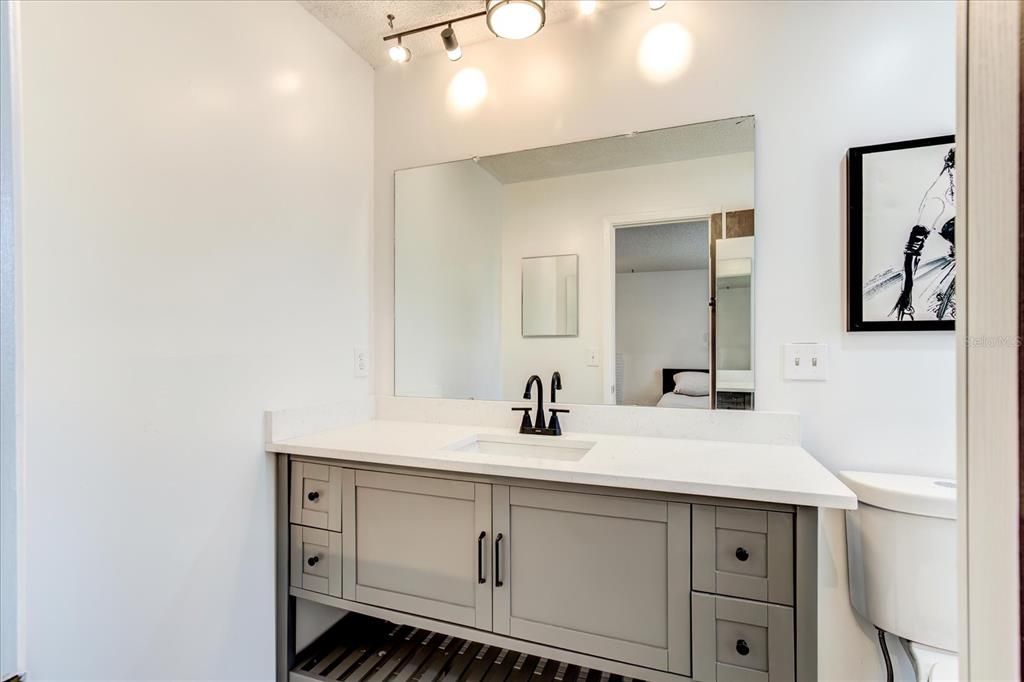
{"x": 316, "y": 496}
{"x": 735, "y": 640}
{"x": 743, "y": 553}
{"x": 316, "y": 560}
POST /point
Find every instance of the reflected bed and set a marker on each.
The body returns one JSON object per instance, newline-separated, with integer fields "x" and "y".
{"x": 672, "y": 399}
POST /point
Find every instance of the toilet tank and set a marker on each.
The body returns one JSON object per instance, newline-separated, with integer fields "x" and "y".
{"x": 901, "y": 550}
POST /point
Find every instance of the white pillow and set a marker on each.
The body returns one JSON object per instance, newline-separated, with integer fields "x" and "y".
{"x": 692, "y": 383}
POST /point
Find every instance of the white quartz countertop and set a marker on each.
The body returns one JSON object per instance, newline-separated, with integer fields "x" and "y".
{"x": 765, "y": 473}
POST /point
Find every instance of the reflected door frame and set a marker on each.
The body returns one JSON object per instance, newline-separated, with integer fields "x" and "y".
{"x": 644, "y": 219}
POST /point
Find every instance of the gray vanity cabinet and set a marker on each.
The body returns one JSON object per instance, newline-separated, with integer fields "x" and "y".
{"x": 651, "y": 586}
{"x": 419, "y": 545}
{"x": 598, "y": 574}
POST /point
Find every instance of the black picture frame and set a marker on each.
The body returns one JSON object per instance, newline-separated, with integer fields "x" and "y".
{"x": 855, "y": 241}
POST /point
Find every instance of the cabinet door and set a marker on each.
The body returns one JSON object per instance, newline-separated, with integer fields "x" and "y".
{"x": 598, "y": 574}
{"x": 736, "y": 639}
{"x": 316, "y": 495}
{"x": 316, "y": 560}
{"x": 743, "y": 553}
{"x": 420, "y": 545}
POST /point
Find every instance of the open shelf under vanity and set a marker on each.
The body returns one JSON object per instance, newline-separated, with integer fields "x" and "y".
{"x": 364, "y": 649}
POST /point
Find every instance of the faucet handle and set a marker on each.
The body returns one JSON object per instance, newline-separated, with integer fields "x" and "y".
{"x": 554, "y": 424}
{"x": 525, "y": 423}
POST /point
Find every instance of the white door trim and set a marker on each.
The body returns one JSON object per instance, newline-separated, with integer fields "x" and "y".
{"x": 987, "y": 328}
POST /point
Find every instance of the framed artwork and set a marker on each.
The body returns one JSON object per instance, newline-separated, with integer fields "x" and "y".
{"x": 902, "y": 214}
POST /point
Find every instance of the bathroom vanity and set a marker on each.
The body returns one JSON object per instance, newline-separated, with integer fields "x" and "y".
{"x": 652, "y": 558}
{"x": 670, "y": 533}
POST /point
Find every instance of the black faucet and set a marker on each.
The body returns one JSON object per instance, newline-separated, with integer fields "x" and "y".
{"x": 541, "y": 422}
{"x": 554, "y": 425}
{"x": 541, "y": 427}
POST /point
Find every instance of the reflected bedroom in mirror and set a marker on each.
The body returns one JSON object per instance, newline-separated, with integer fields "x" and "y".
{"x": 624, "y": 263}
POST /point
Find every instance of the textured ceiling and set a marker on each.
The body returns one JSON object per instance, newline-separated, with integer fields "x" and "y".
{"x": 362, "y": 23}
{"x": 696, "y": 141}
{"x": 659, "y": 248}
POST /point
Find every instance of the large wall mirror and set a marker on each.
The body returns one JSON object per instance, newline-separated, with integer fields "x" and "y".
{"x": 624, "y": 263}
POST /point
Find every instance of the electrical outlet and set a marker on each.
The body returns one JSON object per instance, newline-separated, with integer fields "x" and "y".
{"x": 593, "y": 357}
{"x": 360, "y": 362}
{"x": 805, "y": 362}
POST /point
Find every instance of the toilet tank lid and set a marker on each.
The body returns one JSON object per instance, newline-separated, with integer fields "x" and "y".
{"x": 921, "y": 495}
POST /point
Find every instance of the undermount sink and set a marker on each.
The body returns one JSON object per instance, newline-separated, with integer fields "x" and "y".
{"x": 540, "y": 447}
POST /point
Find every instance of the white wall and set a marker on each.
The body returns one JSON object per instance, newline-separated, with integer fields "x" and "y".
{"x": 448, "y": 338}
{"x": 196, "y": 245}
{"x": 567, "y": 215}
{"x": 820, "y": 78}
{"x": 661, "y": 320}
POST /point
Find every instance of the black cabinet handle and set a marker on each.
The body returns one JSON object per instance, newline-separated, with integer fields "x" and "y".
{"x": 497, "y": 560}
{"x": 313, "y": 560}
{"x": 742, "y": 554}
{"x": 481, "y": 576}
{"x": 741, "y": 647}
{"x": 313, "y": 496}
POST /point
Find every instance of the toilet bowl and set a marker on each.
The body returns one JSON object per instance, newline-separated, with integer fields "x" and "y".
{"x": 901, "y": 551}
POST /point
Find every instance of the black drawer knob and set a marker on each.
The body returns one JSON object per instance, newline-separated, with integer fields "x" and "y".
{"x": 313, "y": 560}
{"x": 313, "y": 496}
{"x": 741, "y": 647}
{"x": 742, "y": 554}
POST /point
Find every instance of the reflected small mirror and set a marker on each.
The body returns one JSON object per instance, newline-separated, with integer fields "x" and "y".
{"x": 549, "y": 296}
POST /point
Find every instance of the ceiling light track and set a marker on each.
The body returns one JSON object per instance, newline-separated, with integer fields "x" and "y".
{"x": 428, "y": 27}
{"x": 511, "y": 19}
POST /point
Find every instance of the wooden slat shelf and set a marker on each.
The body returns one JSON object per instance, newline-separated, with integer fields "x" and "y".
{"x": 364, "y": 649}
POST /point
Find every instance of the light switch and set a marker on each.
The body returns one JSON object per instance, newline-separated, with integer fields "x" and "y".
{"x": 805, "y": 362}
{"x": 360, "y": 362}
{"x": 593, "y": 357}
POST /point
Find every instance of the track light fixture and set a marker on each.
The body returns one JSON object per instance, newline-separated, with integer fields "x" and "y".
{"x": 399, "y": 53}
{"x": 515, "y": 19}
{"x": 451, "y": 44}
{"x": 448, "y": 39}
{"x": 511, "y": 19}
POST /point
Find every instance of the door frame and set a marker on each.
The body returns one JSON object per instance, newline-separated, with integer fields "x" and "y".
{"x": 13, "y": 613}
{"x": 990, "y": 510}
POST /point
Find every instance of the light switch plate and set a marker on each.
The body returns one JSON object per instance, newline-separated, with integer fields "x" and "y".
{"x": 805, "y": 362}
{"x": 593, "y": 357}
{"x": 360, "y": 362}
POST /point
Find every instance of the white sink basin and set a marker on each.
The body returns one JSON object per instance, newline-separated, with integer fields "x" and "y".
{"x": 539, "y": 447}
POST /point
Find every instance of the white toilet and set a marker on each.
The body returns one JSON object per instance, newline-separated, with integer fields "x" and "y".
{"x": 901, "y": 547}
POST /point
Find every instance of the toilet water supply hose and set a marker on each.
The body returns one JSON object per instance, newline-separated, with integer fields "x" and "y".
{"x": 885, "y": 654}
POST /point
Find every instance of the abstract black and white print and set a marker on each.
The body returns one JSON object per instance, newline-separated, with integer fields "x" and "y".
{"x": 902, "y": 230}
